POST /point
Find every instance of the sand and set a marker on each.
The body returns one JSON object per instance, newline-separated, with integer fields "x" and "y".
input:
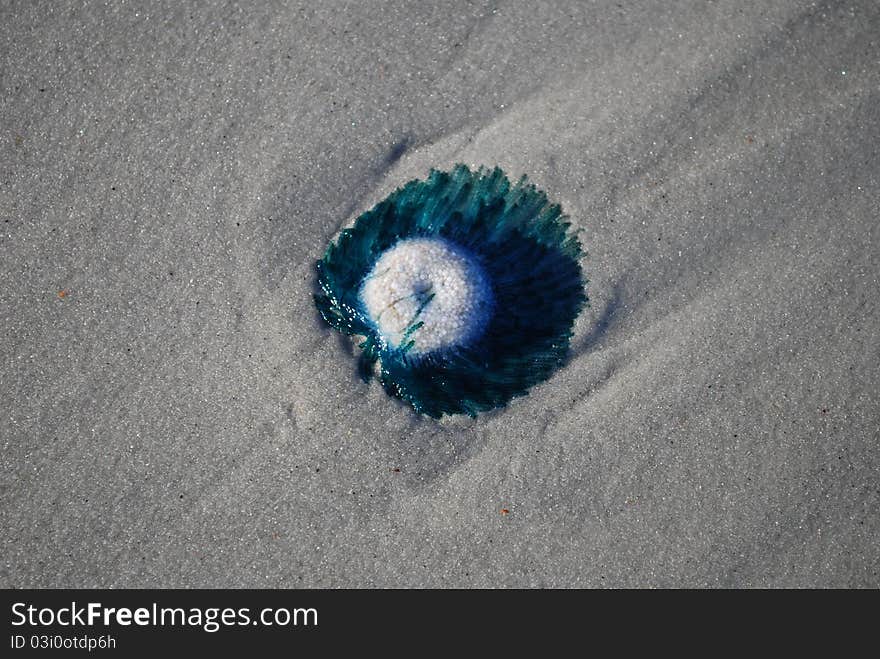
{"x": 176, "y": 414}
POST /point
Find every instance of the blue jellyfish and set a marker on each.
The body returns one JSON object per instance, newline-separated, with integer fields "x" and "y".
{"x": 463, "y": 289}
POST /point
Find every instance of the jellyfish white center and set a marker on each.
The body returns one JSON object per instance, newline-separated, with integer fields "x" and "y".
{"x": 429, "y": 292}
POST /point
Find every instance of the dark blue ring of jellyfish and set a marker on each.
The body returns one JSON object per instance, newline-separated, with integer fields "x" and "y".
{"x": 509, "y": 232}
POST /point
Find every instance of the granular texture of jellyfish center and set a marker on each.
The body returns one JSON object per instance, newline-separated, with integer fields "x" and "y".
{"x": 427, "y": 294}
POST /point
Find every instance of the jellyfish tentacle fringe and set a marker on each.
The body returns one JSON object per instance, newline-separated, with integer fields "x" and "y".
{"x": 530, "y": 257}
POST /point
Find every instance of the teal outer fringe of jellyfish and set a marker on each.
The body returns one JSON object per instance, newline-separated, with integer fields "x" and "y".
{"x": 463, "y": 289}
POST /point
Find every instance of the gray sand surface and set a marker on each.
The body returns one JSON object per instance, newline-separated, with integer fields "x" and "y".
{"x": 176, "y": 414}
